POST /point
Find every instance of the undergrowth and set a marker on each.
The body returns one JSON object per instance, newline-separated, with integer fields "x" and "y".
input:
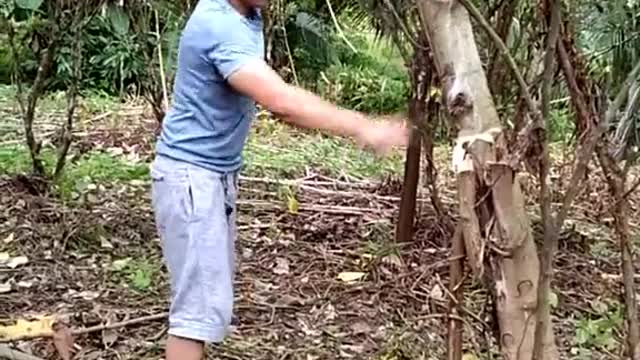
{"x": 274, "y": 150}
{"x": 80, "y": 174}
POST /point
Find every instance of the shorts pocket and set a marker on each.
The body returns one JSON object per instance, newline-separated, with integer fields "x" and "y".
{"x": 172, "y": 197}
{"x": 162, "y": 173}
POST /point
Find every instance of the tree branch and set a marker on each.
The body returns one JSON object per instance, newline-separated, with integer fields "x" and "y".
{"x": 72, "y": 95}
{"x": 585, "y": 151}
{"x": 477, "y": 15}
{"x": 552, "y": 41}
{"x": 17, "y": 74}
{"x": 549, "y": 248}
{"x": 623, "y": 130}
{"x": 403, "y": 27}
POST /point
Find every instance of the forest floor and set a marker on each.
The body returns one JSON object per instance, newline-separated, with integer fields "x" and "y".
{"x": 319, "y": 275}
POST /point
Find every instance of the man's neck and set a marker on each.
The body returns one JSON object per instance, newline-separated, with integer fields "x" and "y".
{"x": 240, "y": 7}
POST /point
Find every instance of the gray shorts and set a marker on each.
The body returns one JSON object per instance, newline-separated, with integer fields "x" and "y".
{"x": 195, "y": 216}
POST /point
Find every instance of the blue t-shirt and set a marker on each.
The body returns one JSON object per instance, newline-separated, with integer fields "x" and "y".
{"x": 208, "y": 122}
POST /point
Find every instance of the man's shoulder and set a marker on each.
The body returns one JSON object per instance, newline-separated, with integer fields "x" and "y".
{"x": 217, "y": 19}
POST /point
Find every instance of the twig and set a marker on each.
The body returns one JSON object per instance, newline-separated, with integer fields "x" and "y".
{"x": 403, "y": 27}
{"x": 343, "y": 210}
{"x": 356, "y": 193}
{"x": 8, "y": 353}
{"x": 163, "y": 80}
{"x": 437, "y": 316}
{"x": 139, "y": 320}
{"x": 329, "y": 182}
{"x": 286, "y": 44}
{"x": 552, "y": 41}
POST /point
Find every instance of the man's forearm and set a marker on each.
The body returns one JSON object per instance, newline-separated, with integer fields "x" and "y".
{"x": 293, "y": 104}
{"x": 307, "y": 110}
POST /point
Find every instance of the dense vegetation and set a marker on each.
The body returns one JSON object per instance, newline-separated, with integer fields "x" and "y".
{"x": 119, "y": 59}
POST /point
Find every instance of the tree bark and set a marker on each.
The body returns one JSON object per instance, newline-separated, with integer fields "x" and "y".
{"x": 420, "y": 74}
{"x": 404, "y": 230}
{"x": 494, "y": 224}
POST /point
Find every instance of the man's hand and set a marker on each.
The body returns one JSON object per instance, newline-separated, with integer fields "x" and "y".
{"x": 302, "y": 108}
{"x": 383, "y": 136}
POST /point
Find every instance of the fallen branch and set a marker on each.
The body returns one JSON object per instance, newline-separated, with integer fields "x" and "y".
{"x": 94, "y": 328}
{"x": 306, "y": 181}
{"x": 456, "y": 269}
{"x": 343, "y": 210}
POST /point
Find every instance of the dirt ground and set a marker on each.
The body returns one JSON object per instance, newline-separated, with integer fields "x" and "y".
{"x": 99, "y": 263}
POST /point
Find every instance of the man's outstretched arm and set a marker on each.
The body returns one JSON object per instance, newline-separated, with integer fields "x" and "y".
{"x": 302, "y": 108}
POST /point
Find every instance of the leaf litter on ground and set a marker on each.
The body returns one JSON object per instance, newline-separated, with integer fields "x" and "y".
{"x": 310, "y": 314}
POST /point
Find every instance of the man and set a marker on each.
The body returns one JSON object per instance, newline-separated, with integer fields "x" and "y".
{"x": 221, "y": 75}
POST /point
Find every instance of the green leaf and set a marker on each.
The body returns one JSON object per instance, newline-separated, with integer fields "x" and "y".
{"x": 119, "y": 19}
{"x": 582, "y": 336}
{"x": 121, "y": 264}
{"x": 292, "y": 204}
{"x": 6, "y": 8}
{"x": 29, "y": 4}
{"x": 553, "y": 299}
{"x": 141, "y": 279}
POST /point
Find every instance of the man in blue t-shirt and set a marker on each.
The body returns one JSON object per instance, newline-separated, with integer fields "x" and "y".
{"x": 221, "y": 75}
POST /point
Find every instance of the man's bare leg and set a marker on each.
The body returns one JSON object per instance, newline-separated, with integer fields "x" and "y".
{"x": 184, "y": 349}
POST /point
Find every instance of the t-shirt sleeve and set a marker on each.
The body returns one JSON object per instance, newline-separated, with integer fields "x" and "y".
{"x": 231, "y": 51}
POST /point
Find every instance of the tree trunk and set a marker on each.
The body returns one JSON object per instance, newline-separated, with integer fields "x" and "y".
{"x": 494, "y": 224}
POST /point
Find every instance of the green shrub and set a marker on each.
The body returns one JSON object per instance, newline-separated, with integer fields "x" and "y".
{"x": 560, "y": 125}
{"x": 365, "y": 89}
